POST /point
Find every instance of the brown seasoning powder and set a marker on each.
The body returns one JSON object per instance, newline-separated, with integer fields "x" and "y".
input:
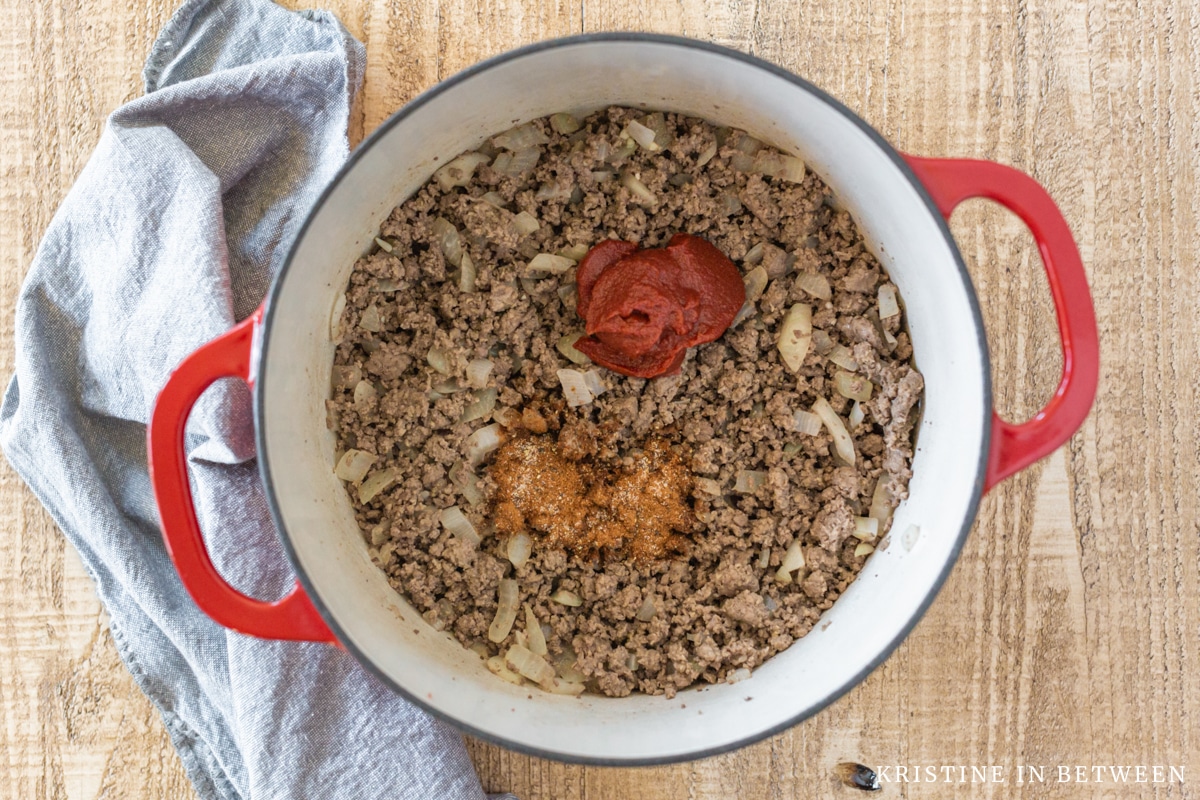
{"x": 636, "y": 508}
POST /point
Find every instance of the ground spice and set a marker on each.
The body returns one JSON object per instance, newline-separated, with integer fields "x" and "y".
{"x": 637, "y": 508}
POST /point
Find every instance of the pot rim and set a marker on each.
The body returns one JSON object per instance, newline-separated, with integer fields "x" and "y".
{"x": 263, "y": 342}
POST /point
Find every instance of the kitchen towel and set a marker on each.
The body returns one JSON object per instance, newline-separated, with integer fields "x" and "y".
{"x": 171, "y": 234}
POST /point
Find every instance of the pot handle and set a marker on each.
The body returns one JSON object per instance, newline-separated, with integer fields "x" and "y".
{"x": 290, "y": 618}
{"x": 1014, "y": 447}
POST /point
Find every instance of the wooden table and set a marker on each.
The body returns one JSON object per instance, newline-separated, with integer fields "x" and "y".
{"x": 1069, "y": 632}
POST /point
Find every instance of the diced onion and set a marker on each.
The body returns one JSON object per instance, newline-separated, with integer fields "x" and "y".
{"x": 888, "y": 305}
{"x": 529, "y": 664}
{"x": 744, "y": 313}
{"x": 508, "y": 417}
{"x": 550, "y": 264}
{"x": 852, "y": 386}
{"x": 506, "y": 610}
{"x": 807, "y": 423}
{"x": 657, "y": 122}
{"x": 553, "y": 191}
{"x": 741, "y": 162}
{"x": 456, "y": 524}
{"x": 518, "y": 548}
{"x": 384, "y": 246}
{"x": 764, "y": 557}
{"x": 793, "y": 557}
{"x": 565, "y": 665}
{"x": 482, "y": 443}
{"x": 448, "y": 386}
{"x": 881, "y": 502}
{"x": 822, "y": 341}
{"x": 459, "y": 474}
{"x": 863, "y": 549}
{"x": 647, "y": 610}
{"x": 522, "y": 136}
{"x": 518, "y": 162}
{"x": 866, "y": 528}
{"x": 533, "y": 632}
{"x": 748, "y": 144}
{"x": 364, "y": 396}
{"x": 909, "y": 538}
{"x": 459, "y": 171}
{"x": 481, "y": 407}
{"x": 478, "y": 371}
{"x": 595, "y": 382}
{"x": 738, "y": 675}
{"x": 638, "y": 189}
{"x": 837, "y": 429}
{"x": 564, "y": 123}
{"x": 353, "y": 466}
{"x": 754, "y": 254}
{"x": 730, "y": 204}
{"x": 622, "y": 151}
{"x": 471, "y": 492}
{"x": 526, "y": 223}
{"x": 642, "y": 135}
{"x": 706, "y": 155}
{"x": 815, "y": 284}
{"x": 386, "y": 285}
{"x": 709, "y": 486}
{"x": 755, "y": 282}
{"x": 375, "y": 483}
{"x": 575, "y": 388}
{"x": 566, "y": 597}
{"x": 795, "y": 335}
{"x": 778, "y": 165}
{"x": 438, "y": 359}
{"x": 494, "y": 199}
{"x": 856, "y": 414}
{"x": 499, "y": 668}
{"x": 749, "y": 481}
{"x": 448, "y": 240}
{"x": 575, "y": 252}
{"x": 467, "y": 274}
{"x": 840, "y": 355}
{"x": 369, "y": 321}
{"x": 568, "y": 296}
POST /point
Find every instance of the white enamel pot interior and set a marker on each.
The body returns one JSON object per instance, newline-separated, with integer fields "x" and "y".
{"x": 904, "y": 230}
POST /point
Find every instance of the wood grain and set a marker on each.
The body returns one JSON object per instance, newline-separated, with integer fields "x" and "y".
{"x": 1069, "y": 632}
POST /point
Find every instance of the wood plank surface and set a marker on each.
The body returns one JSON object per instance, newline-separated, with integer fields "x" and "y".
{"x": 1068, "y": 633}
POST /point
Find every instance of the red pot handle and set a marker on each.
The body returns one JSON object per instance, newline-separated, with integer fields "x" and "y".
{"x": 291, "y": 618}
{"x": 1014, "y": 447}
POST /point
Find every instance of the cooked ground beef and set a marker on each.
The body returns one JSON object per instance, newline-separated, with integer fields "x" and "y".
{"x": 718, "y": 606}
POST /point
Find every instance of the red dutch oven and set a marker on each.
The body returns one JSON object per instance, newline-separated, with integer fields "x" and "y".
{"x": 900, "y": 202}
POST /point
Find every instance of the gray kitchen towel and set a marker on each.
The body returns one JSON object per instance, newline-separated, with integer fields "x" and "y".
{"x": 172, "y": 234}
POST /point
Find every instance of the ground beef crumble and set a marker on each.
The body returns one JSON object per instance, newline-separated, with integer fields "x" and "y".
{"x": 718, "y": 608}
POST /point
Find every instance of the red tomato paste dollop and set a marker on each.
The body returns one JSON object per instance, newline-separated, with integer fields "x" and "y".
{"x": 645, "y": 308}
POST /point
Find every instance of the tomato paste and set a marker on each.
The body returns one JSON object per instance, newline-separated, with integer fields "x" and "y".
{"x": 644, "y": 308}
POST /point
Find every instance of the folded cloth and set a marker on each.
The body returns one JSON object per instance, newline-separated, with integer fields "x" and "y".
{"x": 171, "y": 234}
